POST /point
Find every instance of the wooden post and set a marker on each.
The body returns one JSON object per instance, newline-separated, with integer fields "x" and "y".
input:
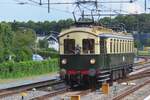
{"x": 75, "y": 97}
{"x": 105, "y": 88}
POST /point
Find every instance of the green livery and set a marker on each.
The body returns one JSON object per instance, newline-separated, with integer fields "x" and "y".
{"x": 93, "y": 55}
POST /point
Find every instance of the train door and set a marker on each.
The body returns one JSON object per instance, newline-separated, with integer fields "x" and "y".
{"x": 103, "y": 50}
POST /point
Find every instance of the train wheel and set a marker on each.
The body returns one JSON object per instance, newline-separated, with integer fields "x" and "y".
{"x": 92, "y": 83}
{"x": 117, "y": 74}
{"x": 120, "y": 74}
{"x": 113, "y": 76}
{"x": 125, "y": 72}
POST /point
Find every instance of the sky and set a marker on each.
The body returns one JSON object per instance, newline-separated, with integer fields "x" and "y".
{"x": 10, "y": 10}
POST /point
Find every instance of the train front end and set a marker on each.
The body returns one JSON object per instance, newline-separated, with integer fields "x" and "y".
{"x": 79, "y": 56}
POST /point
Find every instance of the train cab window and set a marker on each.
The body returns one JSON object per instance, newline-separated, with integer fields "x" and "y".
{"x": 69, "y": 46}
{"x": 88, "y": 45}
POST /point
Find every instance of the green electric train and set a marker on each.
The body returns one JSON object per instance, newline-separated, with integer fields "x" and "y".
{"x": 92, "y": 55}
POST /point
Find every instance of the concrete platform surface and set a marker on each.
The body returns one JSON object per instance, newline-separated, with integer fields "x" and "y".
{"x": 26, "y": 81}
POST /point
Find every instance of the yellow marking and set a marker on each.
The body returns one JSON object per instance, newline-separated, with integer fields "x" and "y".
{"x": 75, "y": 97}
{"x": 23, "y": 94}
{"x": 105, "y": 88}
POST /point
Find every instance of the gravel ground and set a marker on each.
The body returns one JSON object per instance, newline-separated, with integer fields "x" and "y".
{"x": 114, "y": 90}
{"x": 140, "y": 94}
{"x": 98, "y": 95}
{"x": 117, "y": 88}
{"x": 30, "y": 95}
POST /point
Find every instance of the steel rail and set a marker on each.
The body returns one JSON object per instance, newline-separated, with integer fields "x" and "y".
{"x": 17, "y": 89}
{"x": 52, "y": 94}
{"x": 130, "y": 90}
{"x": 21, "y": 88}
{"x": 135, "y": 76}
{"x": 85, "y": 92}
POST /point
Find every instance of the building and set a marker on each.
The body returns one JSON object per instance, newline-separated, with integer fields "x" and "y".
{"x": 52, "y": 40}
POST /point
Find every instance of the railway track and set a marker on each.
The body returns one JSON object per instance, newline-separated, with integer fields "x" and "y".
{"x": 130, "y": 90}
{"x": 18, "y": 89}
{"x": 51, "y": 94}
{"x": 142, "y": 74}
{"x": 85, "y": 92}
{"x": 126, "y": 92}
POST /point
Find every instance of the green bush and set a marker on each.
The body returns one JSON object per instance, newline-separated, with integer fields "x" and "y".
{"x": 143, "y": 53}
{"x": 28, "y": 68}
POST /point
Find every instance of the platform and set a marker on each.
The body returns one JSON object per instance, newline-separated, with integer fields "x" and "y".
{"x": 26, "y": 81}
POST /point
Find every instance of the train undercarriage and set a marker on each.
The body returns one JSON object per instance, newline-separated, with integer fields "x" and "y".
{"x": 87, "y": 80}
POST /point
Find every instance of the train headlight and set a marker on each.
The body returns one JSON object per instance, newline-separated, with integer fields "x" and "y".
{"x": 92, "y": 61}
{"x": 64, "y": 61}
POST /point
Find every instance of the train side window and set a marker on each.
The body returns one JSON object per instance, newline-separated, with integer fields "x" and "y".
{"x": 117, "y": 46}
{"x": 88, "y": 45}
{"x": 123, "y": 46}
{"x": 129, "y": 45}
{"x": 110, "y": 45}
{"x": 69, "y": 46}
{"x": 114, "y": 46}
{"x": 125, "y": 43}
{"x": 126, "y": 46}
{"x": 132, "y": 46}
{"x": 120, "y": 46}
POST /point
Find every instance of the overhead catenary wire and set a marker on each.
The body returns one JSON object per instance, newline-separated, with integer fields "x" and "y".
{"x": 86, "y": 1}
{"x": 41, "y": 4}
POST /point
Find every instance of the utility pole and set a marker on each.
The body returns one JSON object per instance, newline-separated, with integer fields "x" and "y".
{"x": 40, "y": 2}
{"x": 48, "y": 6}
{"x": 145, "y": 6}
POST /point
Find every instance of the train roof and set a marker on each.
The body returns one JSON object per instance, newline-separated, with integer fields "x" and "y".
{"x": 98, "y": 31}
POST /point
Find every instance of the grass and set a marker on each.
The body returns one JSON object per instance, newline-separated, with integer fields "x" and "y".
{"x": 26, "y": 69}
{"x": 144, "y": 53}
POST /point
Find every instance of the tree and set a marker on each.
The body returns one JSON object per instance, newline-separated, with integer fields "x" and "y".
{"x": 23, "y": 43}
{"x": 43, "y": 43}
{"x": 6, "y": 38}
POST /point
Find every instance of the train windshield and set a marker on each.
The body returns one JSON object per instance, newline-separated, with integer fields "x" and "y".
{"x": 88, "y": 45}
{"x": 69, "y": 46}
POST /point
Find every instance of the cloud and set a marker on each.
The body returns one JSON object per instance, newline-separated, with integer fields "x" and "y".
{"x": 134, "y": 8}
